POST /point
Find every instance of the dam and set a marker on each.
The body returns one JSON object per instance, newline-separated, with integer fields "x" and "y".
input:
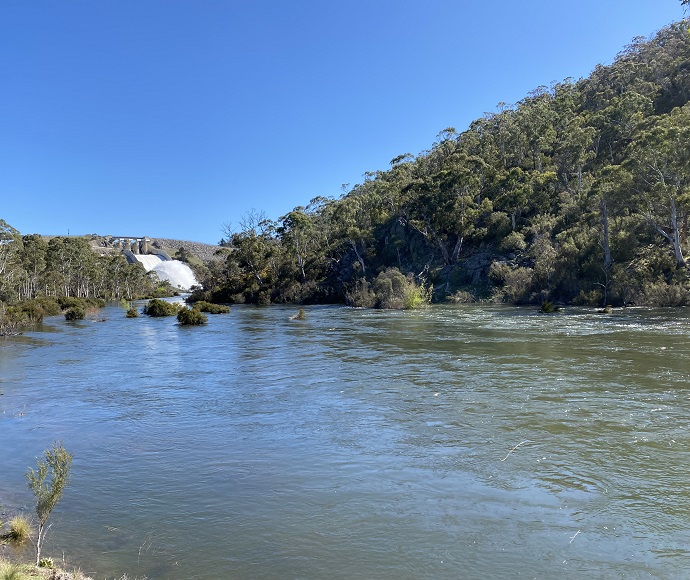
{"x": 140, "y": 249}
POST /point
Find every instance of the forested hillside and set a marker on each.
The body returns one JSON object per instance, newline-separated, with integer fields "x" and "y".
{"x": 577, "y": 193}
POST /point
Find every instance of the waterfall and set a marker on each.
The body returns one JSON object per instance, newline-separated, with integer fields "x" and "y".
{"x": 178, "y": 273}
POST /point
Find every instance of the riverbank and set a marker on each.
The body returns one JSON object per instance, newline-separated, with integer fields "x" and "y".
{"x": 18, "y": 571}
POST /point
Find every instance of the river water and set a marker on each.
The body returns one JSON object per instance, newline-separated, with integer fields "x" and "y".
{"x": 452, "y": 442}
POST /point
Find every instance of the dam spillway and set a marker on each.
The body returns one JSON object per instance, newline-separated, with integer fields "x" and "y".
{"x": 178, "y": 273}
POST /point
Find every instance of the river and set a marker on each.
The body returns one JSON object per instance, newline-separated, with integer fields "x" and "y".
{"x": 452, "y": 442}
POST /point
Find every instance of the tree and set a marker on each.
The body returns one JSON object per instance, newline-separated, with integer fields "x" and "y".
{"x": 661, "y": 163}
{"x": 56, "y": 464}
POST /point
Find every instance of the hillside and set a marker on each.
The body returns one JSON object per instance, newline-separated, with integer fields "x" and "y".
{"x": 580, "y": 192}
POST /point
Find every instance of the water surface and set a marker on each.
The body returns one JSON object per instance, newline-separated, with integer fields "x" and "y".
{"x": 458, "y": 441}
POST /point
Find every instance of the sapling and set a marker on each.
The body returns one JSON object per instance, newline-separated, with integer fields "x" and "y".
{"x": 47, "y": 484}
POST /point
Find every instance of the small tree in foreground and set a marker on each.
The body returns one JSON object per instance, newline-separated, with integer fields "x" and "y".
{"x": 47, "y": 484}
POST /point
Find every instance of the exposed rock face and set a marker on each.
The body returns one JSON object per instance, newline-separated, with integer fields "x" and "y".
{"x": 204, "y": 252}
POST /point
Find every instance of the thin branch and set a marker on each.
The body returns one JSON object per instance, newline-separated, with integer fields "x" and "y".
{"x": 514, "y": 448}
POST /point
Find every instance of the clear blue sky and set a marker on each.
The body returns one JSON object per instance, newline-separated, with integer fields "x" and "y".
{"x": 170, "y": 118}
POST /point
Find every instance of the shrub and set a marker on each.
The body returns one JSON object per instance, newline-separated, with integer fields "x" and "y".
{"x": 95, "y": 302}
{"x": 66, "y": 302}
{"x": 75, "y": 313}
{"x": 32, "y": 309}
{"x": 390, "y": 288}
{"x": 518, "y": 283}
{"x": 46, "y": 563}
{"x": 591, "y": 298}
{"x": 360, "y": 295}
{"x": 10, "y": 571}
{"x": 50, "y": 305}
{"x": 47, "y": 484}
{"x": 211, "y": 308}
{"x": 157, "y": 307}
{"x": 132, "y": 313}
{"x": 191, "y": 317}
{"x": 20, "y": 529}
{"x": 461, "y": 297}
{"x": 548, "y": 307}
{"x": 417, "y": 296}
{"x": 11, "y": 320}
{"x": 662, "y": 294}
{"x": 513, "y": 242}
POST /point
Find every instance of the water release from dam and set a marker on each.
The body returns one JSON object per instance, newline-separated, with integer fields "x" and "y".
{"x": 178, "y": 273}
{"x": 459, "y": 441}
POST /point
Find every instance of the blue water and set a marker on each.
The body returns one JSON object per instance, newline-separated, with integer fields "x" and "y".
{"x": 457, "y": 441}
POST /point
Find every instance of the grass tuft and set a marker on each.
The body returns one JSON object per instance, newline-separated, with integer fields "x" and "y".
{"x": 20, "y": 529}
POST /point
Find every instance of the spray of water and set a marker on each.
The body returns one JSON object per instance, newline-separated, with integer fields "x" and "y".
{"x": 178, "y": 273}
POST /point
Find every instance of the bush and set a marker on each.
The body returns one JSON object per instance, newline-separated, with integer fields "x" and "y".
{"x": 132, "y": 313}
{"x": 548, "y": 307}
{"x": 75, "y": 313}
{"x": 10, "y": 571}
{"x": 360, "y": 295}
{"x": 461, "y": 297}
{"x": 662, "y": 294}
{"x": 11, "y": 320}
{"x": 32, "y": 309}
{"x": 157, "y": 307}
{"x": 513, "y": 242}
{"x": 46, "y": 563}
{"x": 591, "y": 298}
{"x": 211, "y": 308}
{"x": 95, "y": 302}
{"x": 50, "y": 305}
{"x": 66, "y": 302}
{"x": 191, "y": 317}
{"x": 390, "y": 288}
{"x": 20, "y": 529}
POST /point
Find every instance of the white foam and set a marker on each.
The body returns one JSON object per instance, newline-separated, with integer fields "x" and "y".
{"x": 178, "y": 273}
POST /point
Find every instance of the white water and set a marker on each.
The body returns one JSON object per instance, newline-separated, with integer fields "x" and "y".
{"x": 178, "y": 273}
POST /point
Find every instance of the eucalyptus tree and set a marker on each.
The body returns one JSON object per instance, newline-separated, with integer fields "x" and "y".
{"x": 33, "y": 259}
{"x": 296, "y": 233}
{"x": 251, "y": 265}
{"x": 10, "y": 260}
{"x": 660, "y": 160}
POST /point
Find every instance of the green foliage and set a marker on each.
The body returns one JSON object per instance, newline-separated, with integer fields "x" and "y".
{"x": 191, "y": 317}
{"x": 47, "y": 483}
{"x": 661, "y": 293}
{"x": 66, "y": 302}
{"x": 75, "y": 313}
{"x": 211, "y": 308}
{"x": 548, "y": 307}
{"x": 156, "y": 307}
{"x": 50, "y": 306}
{"x": 46, "y": 563}
{"x": 132, "y": 313}
{"x": 10, "y": 571}
{"x": 591, "y": 298}
{"x": 360, "y": 295}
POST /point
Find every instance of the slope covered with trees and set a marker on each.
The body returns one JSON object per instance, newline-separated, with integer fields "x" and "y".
{"x": 577, "y": 193}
